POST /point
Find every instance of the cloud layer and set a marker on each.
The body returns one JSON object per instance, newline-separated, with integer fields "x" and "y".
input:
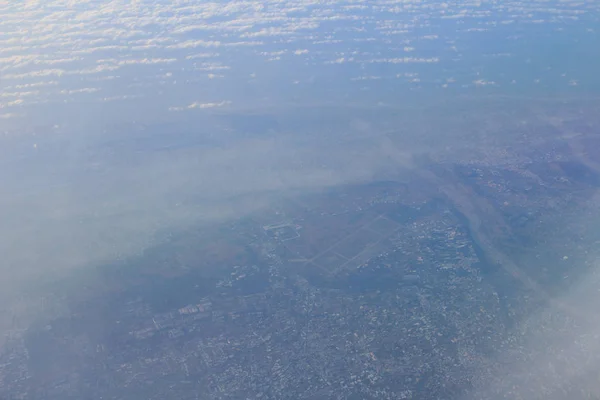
{"x": 71, "y": 45}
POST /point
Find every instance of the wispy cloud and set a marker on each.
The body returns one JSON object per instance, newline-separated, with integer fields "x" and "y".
{"x": 199, "y": 105}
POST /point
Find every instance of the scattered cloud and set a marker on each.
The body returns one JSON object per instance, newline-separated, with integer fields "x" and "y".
{"x": 201, "y": 55}
{"x": 122, "y": 97}
{"x": 36, "y": 84}
{"x": 199, "y": 105}
{"x": 81, "y": 90}
{"x": 483, "y": 82}
{"x": 215, "y": 76}
{"x": 8, "y": 115}
{"x": 94, "y": 42}
{"x": 148, "y": 61}
{"x": 405, "y": 60}
{"x": 366, "y": 78}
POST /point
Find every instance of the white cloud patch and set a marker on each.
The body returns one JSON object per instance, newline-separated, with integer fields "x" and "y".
{"x": 406, "y": 60}
{"x": 80, "y": 90}
{"x": 201, "y": 56}
{"x": 122, "y": 97}
{"x": 36, "y": 84}
{"x": 148, "y": 61}
{"x": 199, "y": 105}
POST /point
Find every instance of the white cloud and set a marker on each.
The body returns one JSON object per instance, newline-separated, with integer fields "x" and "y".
{"x": 19, "y": 94}
{"x": 198, "y": 105}
{"x": 81, "y": 90}
{"x": 9, "y": 115}
{"x": 483, "y": 82}
{"x": 211, "y": 66}
{"x": 148, "y": 61}
{"x": 95, "y": 70}
{"x": 405, "y": 60}
{"x": 38, "y": 73}
{"x": 215, "y": 76}
{"x": 18, "y": 59}
{"x": 57, "y": 61}
{"x": 192, "y": 44}
{"x": 12, "y": 103}
{"x": 209, "y": 105}
{"x": 36, "y": 84}
{"x": 366, "y": 78}
{"x": 201, "y": 55}
{"x": 122, "y": 97}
